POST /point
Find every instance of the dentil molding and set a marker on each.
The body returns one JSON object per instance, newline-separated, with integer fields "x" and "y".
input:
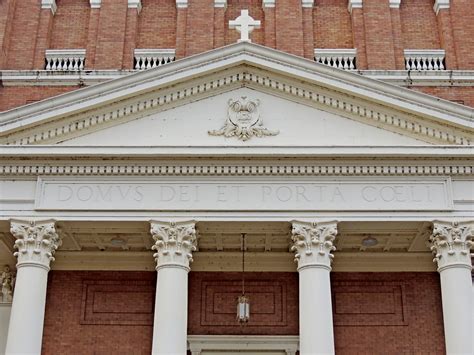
{"x": 174, "y": 243}
{"x": 36, "y": 242}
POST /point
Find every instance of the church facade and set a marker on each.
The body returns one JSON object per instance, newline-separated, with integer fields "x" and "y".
{"x": 220, "y": 177}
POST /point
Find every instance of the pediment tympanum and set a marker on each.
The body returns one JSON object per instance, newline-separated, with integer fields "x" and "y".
{"x": 296, "y": 102}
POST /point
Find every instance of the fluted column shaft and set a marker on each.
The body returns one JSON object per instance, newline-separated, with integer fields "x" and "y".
{"x": 36, "y": 243}
{"x": 313, "y": 246}
{"x": 451, "y": 243}
{"x": 174, "y": 244}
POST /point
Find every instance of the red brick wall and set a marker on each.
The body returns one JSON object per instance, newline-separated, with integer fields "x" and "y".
{"x": 70, "y": 24}
{"x": 419, "y": 26}
{"x": 461, "y": 95}
{"x": 332, "y": 25}
{"x": 112, "y": 312}
{"x": 157, "y": 24}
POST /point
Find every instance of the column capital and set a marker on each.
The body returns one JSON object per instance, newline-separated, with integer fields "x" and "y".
{"x": 49, "y": 4}
{"x": 451, "y": 243}
{"x": 36, "y": 242}
{"x": 174, "y": 243}
{"x": 441, "y": 4}
{"x": 354, "y": 4}
{"x": 313, "y": 243}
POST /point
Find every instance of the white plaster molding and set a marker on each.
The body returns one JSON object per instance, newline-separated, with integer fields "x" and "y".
{"x": 220, "y": 4}
{"x": 307, "y": 4}
{"x": 354, "y": 4}
{"x": 95, "y": 4}
{"x": 181, "y": 4}
{"x": 7, "y": 281}
{"x": 440, "y": 5}
{"x": 243, "y": 121}
{"x": 174, "y": 243}
{"x": 135, "y": 4}
{"x": 313, "y": 243}
{"x": 49, "y": 4}
{"x": 394, "y": 4}
{"x": 36, "y": 242}
{"x": 451, "y": 243}
{"x": 268, "y": 3}
{"x": 299, "y": 69}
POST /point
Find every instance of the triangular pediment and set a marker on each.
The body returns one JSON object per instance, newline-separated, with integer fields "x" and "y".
{"x": 177, "y": 104}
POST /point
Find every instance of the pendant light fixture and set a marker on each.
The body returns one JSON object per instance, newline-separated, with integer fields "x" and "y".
{"x": 243, "y": 307}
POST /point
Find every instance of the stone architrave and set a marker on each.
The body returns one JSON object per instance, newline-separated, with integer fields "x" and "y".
{"x": 174, "y": 245}
{"x": 313, "y": 244}
{"x": 36, "y": 242}
{"x": 451, "y": 243}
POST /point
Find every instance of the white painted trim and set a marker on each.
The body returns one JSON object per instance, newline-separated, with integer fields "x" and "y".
{"x": 181, "y": 4}
{"x": 307, "y": 4}
{"x": 246, "y": 343}
{"x": 49, "y": 4}
{"x": 268, "y": 59}
{"x": 220, "y": 4}
{"x": 268, "y": 3}
{"x": 441, "y": 4}
{"x": 354, "y": 4}
{"x": 450, "y": 78}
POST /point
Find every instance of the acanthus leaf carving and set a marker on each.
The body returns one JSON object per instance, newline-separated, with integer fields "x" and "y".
{"x": 174, "y": 243}
{"x": 451, "y": 243}
{"x": 313, "y": 243}
{"x": 36, "y": 242}
{"x": 243, "y": 121}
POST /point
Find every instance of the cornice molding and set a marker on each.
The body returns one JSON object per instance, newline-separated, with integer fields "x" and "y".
{"x": 440, "y": 5}
{"x": 405, "y": 78}
{"x": 354, "y": 4}
{"x": 49, "y": 4}
{"x": 394, "y": 4}
{"x": 141, "y": 105}
{"x": 135, "y": 4}
{"x": 95, "y": 4}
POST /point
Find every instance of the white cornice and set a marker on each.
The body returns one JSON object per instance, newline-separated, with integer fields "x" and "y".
{"x": 268, "y": 3}
{"x": 257, "y": 63}
{"x": 441, "y": 4}
{"x": 405, "y": 78}
{"x": 181, "y": 4}
{"x": 307, "y": 3}
{"x": 220, "y": 3}
{"x": 49, "y": 4}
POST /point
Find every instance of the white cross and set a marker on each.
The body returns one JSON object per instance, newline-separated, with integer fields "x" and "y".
{"x": 244, "y": 24}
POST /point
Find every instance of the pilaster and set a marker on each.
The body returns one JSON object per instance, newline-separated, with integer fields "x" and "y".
{"x": 181, "y": 25}
{"x": 308, "y": 30}
{"x": 131, "y": 31}
{"x": 445, "y": 29}
{"x": 7, "y": 10}
{"x": 269, "y": 23}
{"x": 397, "y": 34}
{"x": 220, "y": 7}
{"x": 358, "y": 32}
{"x": 43, "y": 37}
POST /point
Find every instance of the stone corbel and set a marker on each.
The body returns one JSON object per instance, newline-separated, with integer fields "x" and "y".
{"x": 394, "y": 4}
{"x": 181, "y": 4}
{"x": 36, "y": 242}
{"x": 313, "y": 243}
{"x": 441, "y": 4}
{"x": 135, "y": 4}
{"x": 451, "y": 243}
{"x": 49, "y": 4}
{"x": 354, "y": 4}
{"x": 95, "y": 4}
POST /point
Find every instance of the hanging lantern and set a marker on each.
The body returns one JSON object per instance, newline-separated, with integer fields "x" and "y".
{"x": 243, "y": 307}
{"x": 243, "y": 310}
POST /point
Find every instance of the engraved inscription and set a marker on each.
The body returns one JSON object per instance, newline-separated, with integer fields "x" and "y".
{"x": 244, "y": 195}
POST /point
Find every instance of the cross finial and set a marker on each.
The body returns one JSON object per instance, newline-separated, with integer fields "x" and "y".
{"x": 244, "y": 24}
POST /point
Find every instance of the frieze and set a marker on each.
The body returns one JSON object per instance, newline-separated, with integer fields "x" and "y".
{"x": 244, "y": 194}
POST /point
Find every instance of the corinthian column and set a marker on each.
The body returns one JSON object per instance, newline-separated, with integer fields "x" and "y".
{"x": 174, "y": 244}
{"x": 451, "y": 243}
{"x": 36, "y": 243}
{"x": 313, "y": 246}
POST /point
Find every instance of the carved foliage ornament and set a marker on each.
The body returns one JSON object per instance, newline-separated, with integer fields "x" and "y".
{"x": 313, "y": 243}
{"x": 174, "y": 243}
{"x": 451, "y": 243}
{"x": 243, "y": 121}
{"x": 36, "y": 242}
